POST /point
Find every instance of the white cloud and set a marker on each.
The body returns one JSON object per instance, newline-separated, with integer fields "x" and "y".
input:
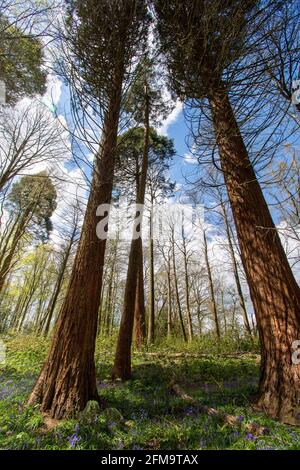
{"x": 189, "y": 158}
{"x": 173, "y": 116}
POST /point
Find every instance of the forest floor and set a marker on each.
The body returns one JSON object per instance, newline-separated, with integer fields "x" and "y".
{"x": 146, "y": 412}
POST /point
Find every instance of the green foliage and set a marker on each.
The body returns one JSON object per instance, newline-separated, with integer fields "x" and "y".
{"x": 105, "y": 39}
{"x": 141, "y": 413}
{"x": 35, "y": 196}
{"x": 147, "y": 85}
{"x": 129, "y": 161}
{"x": 21, "y": 63}
{"x": 201, "y": 40}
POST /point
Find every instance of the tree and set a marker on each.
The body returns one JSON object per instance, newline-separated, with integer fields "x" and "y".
{"x": 69, "y": 235}
{"x": 149, "y": 103}
{"x": 28, "y": 137}
{"x": 235, "y": 267}
{"x": 21, "y": 62}
{"x": 103, "y": 41}
{"x": 160, "y": 187}
{"x": 178, "y": 302}
{"x": 213, "y": 303}
{"x": 132, "y": 155}
{"x": 31, "y": 202}
{"x": 204, "y": 44}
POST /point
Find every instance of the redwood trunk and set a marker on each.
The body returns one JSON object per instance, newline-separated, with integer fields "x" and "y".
{"x": 139, "y": 308}
{"x": 68, "y": 379}
{"x": 122, "y": 364}
{"x": 274, "y": 291}
{"x": 151, "y": 322}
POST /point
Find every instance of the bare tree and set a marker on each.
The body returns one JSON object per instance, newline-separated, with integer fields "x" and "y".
{"x": 28, "y": 137}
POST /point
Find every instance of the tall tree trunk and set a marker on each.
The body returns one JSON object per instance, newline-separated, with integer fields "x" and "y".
{"x": 57, "y": 287}
{"x": 139, "y": 307}
{"x": 177, "y": 289}
{"x": 236, "y": 273}
{"x": 151, "y": 320}
{"x": 122, "y": 364}
{"x": 224, "y": 313}
{"x": 68, "y": 378}
{"x": 213, "y": 303}
{"x": 187, "y": 293}
{"x": 169, "y": 317}
{"x": 274, "y": 291}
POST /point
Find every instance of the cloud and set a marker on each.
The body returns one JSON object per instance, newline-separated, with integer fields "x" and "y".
{"x": 173, "y": 116}
{"x": 189, "y": 158}
{"x": 53, "y": 91}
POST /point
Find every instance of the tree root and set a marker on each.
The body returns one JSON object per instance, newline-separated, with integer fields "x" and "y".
{"x": 229, "y": 419}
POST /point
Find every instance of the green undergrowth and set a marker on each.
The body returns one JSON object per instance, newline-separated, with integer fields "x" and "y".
{"x": 144, "y": 413}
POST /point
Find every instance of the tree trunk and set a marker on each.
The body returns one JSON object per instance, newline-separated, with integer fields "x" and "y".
{"x": 122, "y": 364}
{"x": 274, "y": 291}
{"x": 58, "y": 284}
{"x": 236, "y": 273}
{"x": 213, "y": 303}
{"x": 68, "y": 378}
{"x": 151, "y": 321}
{"x": 6, "y": 262}
{"x": 224, "y": 313}
{"x": 187, "y": 293}
{"x": 139, "y": 308}
{"x": 169, "y": 318}
{"x": 177, "y": 290}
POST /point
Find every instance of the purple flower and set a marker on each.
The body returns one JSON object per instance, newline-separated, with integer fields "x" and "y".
{"x": 240, "y": 418}
{"x": 189, "y": 411}
{"x": 249, "y": 437}
{"x": 73, "y": 440}
{"x": 202, "y": 443}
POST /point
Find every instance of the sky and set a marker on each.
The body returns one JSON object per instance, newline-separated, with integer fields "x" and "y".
{"x": 184, "y": 164}
{"x": 73, "y": 184}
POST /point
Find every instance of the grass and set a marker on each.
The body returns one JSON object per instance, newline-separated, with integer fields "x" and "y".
{"x": 152, "y": 416}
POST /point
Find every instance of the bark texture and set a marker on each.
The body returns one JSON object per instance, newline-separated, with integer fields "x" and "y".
{"x": 139, "y": 307}
{"x": 68, "y": 379}
{"x": 273, "y": 288}
{"x": 122, "y": 364}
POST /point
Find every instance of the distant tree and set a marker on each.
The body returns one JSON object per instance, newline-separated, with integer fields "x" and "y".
{"x": 28, "y": 136}
{"x": 21, "y": 62}
{"x": 30, "y": 205}
{"x": 148, "y": 107}
{"x": 69, "y": 235}
{"x": 131, "y": 157}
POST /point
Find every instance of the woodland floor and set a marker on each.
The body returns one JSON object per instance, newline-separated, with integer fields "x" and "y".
{"x": 153, "y": 417}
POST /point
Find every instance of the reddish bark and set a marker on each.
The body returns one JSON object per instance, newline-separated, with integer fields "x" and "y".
{"x": 68, "y": 379}
{"x": 122, "y": 364}
{"x": 274, "y": 291}
{"x": 139, "y": 308}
